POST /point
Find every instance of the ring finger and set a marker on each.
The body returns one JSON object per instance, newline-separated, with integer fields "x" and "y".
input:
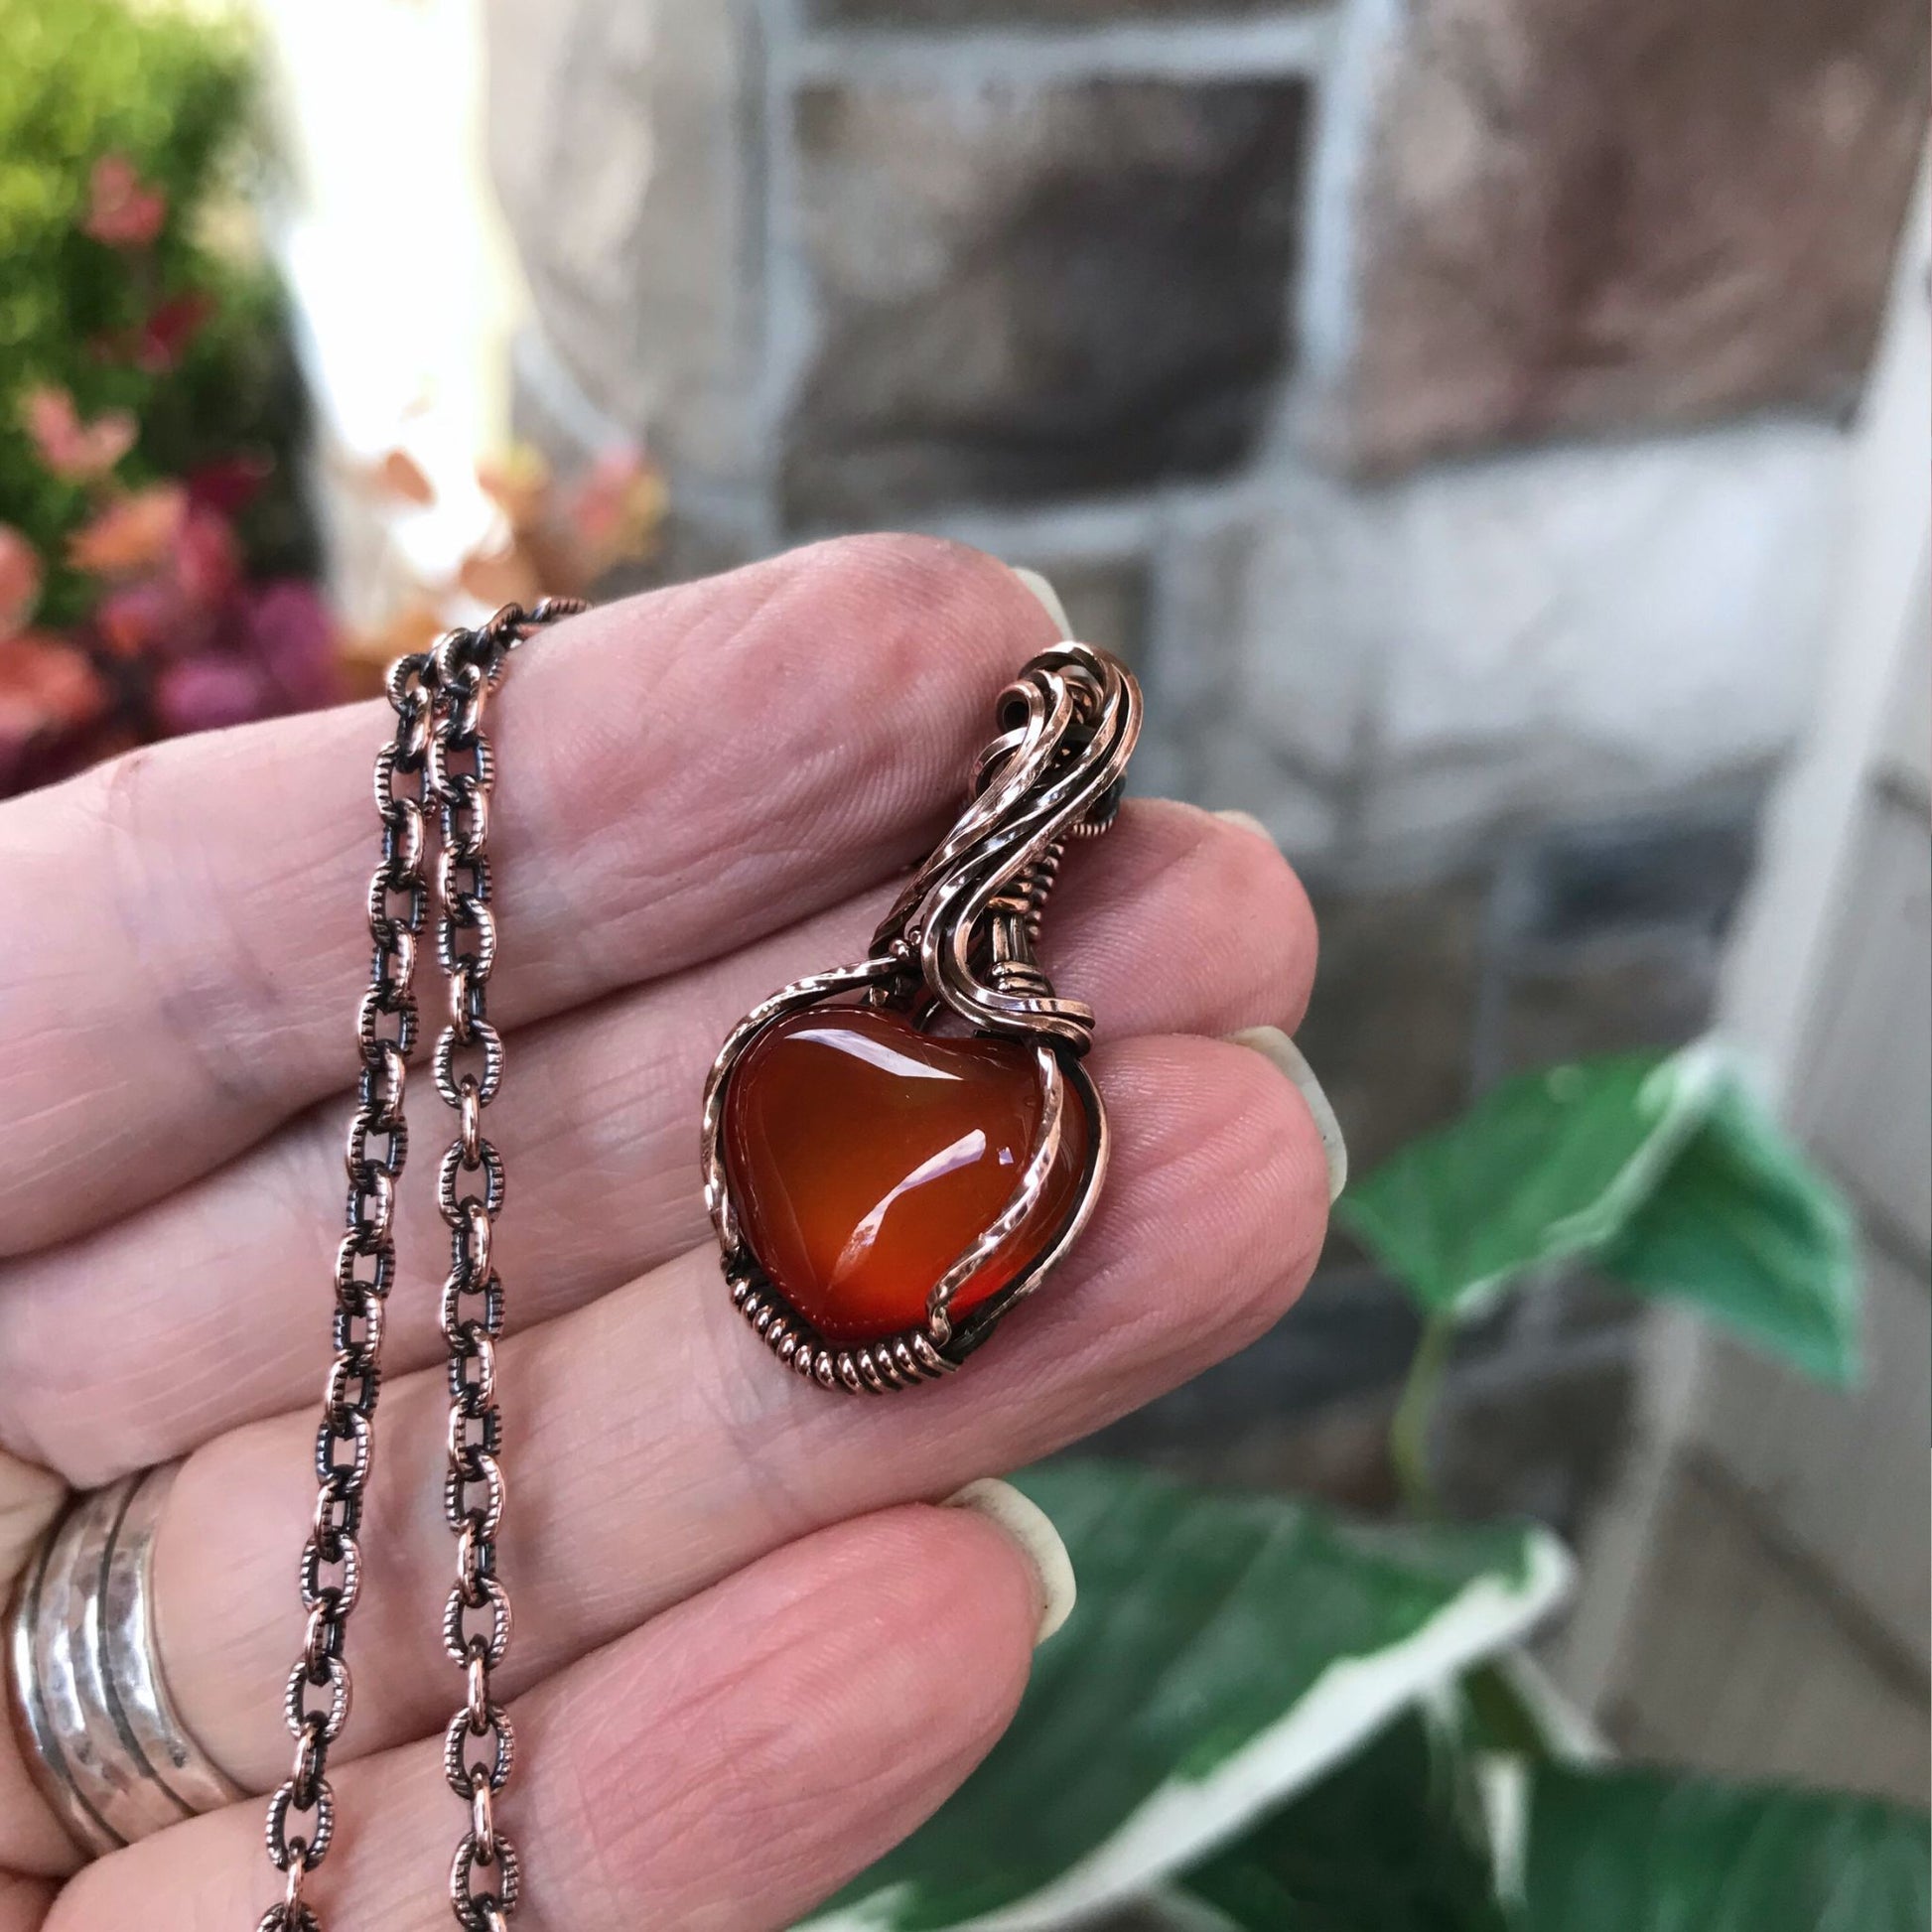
{"x": 135, "y": 1344}
{"x": 656, "y": 1448}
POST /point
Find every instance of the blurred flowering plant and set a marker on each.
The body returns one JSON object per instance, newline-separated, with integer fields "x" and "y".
{"x": 156, "y": 564}
{"x": 542, "y": 535}
{"x": 152, "y": 548}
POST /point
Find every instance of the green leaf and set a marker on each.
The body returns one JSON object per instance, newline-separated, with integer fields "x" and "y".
{"x": 1545, "y": 1167}
{"x": 1393, "y": 1841}
{"x": 1226, "y": 1652}
{"x": 1747, "y": 1232}
{"x": 1634, "y": 1851}
{"x": 1665, "y": 1174}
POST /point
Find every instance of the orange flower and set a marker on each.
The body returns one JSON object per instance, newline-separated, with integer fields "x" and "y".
{"x": 20, "y": 582}
{"x": 121, "y": 210}
{"x": 44, "y": 686}
{"x": 400, "y": 475}
{"x": 366, "y": 654}
{"x": 75, "y": 452}
{"x": 518, "y": 484}
{"x": 132, "y": 533}
{"x": 505, "y": 576}
{"x": 135, "y": 618}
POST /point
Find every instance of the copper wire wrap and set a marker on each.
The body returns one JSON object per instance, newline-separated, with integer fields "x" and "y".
{"x": 961, "y": 939}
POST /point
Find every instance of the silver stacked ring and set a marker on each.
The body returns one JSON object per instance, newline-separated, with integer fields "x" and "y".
{"x": 105, "y": 1745}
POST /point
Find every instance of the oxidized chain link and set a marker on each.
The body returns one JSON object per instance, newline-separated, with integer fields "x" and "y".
{"x": 438, "y": 758}
{"x": 460, "y": 779}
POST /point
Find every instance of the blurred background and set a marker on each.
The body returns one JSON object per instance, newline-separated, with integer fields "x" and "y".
{"x": 1495, "y": 430}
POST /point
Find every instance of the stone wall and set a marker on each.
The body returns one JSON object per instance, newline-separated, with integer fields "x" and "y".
{"x": 1439, "y": 403}
{"x": 1589, "y": 215}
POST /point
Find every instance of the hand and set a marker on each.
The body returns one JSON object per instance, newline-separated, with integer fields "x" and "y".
{"x": 749, "y": 1654}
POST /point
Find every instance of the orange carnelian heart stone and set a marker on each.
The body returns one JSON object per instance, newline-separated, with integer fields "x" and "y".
{"x": 866, "y": 1157}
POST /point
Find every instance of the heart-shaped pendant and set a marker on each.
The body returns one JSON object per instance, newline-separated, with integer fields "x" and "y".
{"x": 867, "y": 1157}
{"x": 883, "y": 1192}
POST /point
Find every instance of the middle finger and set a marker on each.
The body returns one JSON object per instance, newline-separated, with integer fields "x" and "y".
{"x": 657, "y": 1447}
{"x": 135, "y": 1344}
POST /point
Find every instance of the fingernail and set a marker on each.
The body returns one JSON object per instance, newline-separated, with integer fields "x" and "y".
{"x": 1247, "y": 822}
{"x": 1029, "y": 1526}
{"x": 1050, "y": 598}
{"x": 1275, "y": 1045}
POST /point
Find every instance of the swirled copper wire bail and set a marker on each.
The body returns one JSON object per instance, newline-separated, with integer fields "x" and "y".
{"x": 961, "y": 940}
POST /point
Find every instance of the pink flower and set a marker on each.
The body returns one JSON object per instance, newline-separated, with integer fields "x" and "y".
{"x": 20, "y": 582}
{"x": 75, "y": 452}
{"x": 174, "y": 569}
{"x": 157, "y": 343}
{"x": 616, "y": 506}
{"x": 156, "y": 346}
{"x": 276, "y": 655}
{"x": 229, "y": 484}
{"x": 121, "y": 210}
{"x": 203, "y": 693}
{"x": 289, "y": 634}
{"x": 206, "y": 557}
{"x": 147, "y": 618}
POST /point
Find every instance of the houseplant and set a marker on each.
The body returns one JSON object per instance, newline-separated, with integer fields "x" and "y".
{"x": 1261, "y": 1718}
{"x": 154, "y": 554}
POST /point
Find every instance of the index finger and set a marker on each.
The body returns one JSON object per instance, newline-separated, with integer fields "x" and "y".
{"x": 679, "y": 773}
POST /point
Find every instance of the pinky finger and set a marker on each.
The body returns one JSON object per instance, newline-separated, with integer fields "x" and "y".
{"x": 721, "y": 1769}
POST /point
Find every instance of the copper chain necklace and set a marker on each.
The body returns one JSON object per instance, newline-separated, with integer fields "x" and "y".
{"x": 959, "y": 943}
{"x": 437, "y": 768}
